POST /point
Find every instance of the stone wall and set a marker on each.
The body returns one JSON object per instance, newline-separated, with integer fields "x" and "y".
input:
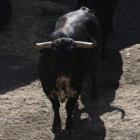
{"x": 69, "y": 3}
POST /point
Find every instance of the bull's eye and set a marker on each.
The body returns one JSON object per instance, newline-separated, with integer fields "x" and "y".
{"x": 54, "y": 57}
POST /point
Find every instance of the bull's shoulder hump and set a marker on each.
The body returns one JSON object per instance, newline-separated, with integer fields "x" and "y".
{"x": 78, "y": 17}
{"x": 61, "y": 22}
{"x": 74, "y": 19}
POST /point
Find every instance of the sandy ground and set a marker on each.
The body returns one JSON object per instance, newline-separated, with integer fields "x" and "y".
{"x": 26, "y": 113}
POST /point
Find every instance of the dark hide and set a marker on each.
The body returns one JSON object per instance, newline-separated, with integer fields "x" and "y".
{"x": 62, "y": 67}
{"x": 5, "y": 13}
{"x": 104, "y": 10}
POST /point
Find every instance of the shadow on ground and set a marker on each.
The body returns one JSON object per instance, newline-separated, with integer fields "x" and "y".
{"x": 16, "y": 72}
{"x": 91, "y": 126}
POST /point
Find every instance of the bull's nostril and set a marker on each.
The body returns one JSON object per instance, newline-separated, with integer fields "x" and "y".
{"x": 64, "y": 79}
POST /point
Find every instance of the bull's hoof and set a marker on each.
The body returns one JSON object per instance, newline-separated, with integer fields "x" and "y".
{"x": 103, "y": 61}
{"x": 56, "y": 129}
{"x": 103, "y": 58}
{"x": 94, "y": 100}
{"x": 70, "y": 131}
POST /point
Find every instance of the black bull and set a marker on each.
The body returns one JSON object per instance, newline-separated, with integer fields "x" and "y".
{"x": 63, "y": 65}
{"x": 5, "y": 13}
{"x": 104, "y": 11}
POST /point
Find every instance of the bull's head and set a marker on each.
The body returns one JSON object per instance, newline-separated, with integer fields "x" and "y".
{"x": 63, "y": 54}
{"x": 79, "y": 44}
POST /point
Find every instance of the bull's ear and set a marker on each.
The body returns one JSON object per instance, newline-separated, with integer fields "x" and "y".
{"x": 94, "y": 42}
{"x": 46, "y": 51}
{"x": 94, "y": 11}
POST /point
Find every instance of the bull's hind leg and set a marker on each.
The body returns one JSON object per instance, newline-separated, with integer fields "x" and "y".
{"x": 70, "y": 107}
{"x": 57, "y": 121}
{"x": 93, "y": 94}
{"x": 103, "y": 48}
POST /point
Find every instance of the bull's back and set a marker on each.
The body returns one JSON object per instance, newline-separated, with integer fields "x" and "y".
{"x": 80, "y": 24}
{"x": 83, "y": 15}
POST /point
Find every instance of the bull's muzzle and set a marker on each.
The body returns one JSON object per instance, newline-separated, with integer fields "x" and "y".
{"x": 63, "y": 79}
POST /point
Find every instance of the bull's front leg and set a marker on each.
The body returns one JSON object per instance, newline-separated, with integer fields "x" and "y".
{"x": 55, "y": 105}
{"x": 57, "y": 121}
{"x": 69, "y": 108}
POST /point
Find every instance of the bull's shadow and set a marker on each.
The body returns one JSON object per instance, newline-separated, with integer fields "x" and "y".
{"x": 89, "y": 125}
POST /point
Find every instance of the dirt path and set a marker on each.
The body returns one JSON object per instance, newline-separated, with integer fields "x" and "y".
{"x": 26, "y": 113}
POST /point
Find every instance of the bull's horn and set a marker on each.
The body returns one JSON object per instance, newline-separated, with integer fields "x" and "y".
{"x": 44, "y": 45}
{"x": 88, "y": 45}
